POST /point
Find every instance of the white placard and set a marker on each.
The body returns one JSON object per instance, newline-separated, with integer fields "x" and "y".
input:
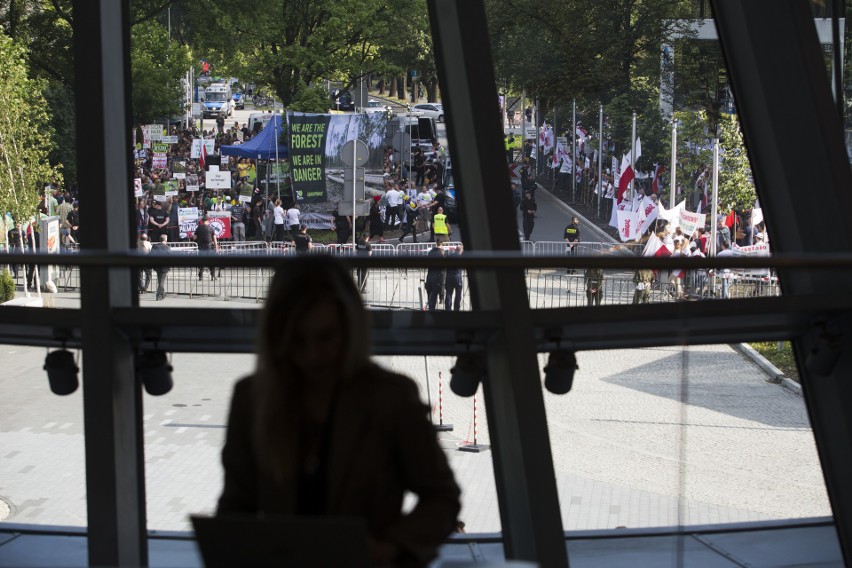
{"x": 137, "y": 187}
{"x": 218, "y": 180}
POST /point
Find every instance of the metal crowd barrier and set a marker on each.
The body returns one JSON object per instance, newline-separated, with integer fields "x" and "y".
{"x": 404, "y": 288}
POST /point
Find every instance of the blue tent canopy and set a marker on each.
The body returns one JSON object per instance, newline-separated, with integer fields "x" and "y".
{"x": 263, "y": 146}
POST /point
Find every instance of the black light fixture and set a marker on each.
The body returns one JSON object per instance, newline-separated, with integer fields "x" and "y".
{"x": 559, "y": 372}
{"x": 156, "y": 372}
{"x": 62, "y": 372}
{"x": 467, "y": 373}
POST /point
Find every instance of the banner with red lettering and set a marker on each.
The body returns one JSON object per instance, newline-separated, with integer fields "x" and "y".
{"x": 628, "y": 224}
{"x": 689, "y": 221}
{"x": 647, "y": 214}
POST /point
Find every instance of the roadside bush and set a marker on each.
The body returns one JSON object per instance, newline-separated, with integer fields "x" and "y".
{"x": 7, "y": 286}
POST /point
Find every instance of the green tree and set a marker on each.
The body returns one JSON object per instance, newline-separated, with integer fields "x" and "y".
{"x": 695, "y": 159}
{"x": 25, "y": 140}
{"x": 283, "y": 44}
{"x": 157, "y": 64}
{"x": 310, "y": 99}
{"x": 736, "y": 190}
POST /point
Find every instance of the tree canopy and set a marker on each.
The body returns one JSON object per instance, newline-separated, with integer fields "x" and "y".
{"x": 25, "y": 141}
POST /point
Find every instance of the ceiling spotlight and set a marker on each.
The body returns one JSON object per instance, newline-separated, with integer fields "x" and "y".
{"x": 467, "y": 374}
{"x": 559, "y": 372}
{"x": 156, "y": 372}
{"x": 61, "y": 372}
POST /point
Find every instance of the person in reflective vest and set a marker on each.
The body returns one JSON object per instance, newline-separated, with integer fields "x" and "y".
{"x": 441, "y": 226}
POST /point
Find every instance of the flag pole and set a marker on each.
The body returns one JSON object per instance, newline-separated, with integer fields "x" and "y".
{"x": 674, "y": 162}
{"x": 523, "y": 123}
{"x": 633, "y": 160}
{"x": 600, "y": 157}
{"x": 715, "y": 206}
{"x": 573, "y": 149}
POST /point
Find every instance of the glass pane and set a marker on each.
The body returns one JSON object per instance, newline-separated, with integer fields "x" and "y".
{"x": 184, "y": 435}
{"x": 674, "y": 436}
{"x": 593, "y": 104}
{"x": 461, "y": 426}
{"x": 42, "y": 460}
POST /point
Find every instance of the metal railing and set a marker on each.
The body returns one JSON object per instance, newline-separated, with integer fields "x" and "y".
{"x": 403, "y": 288}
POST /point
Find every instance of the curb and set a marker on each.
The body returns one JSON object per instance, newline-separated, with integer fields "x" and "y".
{"x": 774, "y": 375}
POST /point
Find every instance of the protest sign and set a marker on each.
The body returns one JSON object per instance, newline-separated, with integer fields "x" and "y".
{"x": 160, "y": 147}
{"x": 187, "y": 221}
{"x": 689, "y": 221}
{"x": 316, "y": 142}
{"x": 191, "y": 182}
{"x": 307, "y": 146}
{"x": 246, "y": 192}
{"x": 215, "y": 179}
{"x": 159, "y": 192}
{"x": 171, "y": 187}
{"x": 179, "y": 169}
{"x": 195, "y": 149}
{"x": 317, "y": 220}
{"x": 137, "y": 188}
{"x": 169, "y": 139}
{"x": 159, "y": 161}
{"x": 220, "y": 222}
{"x": 150, "y": 132}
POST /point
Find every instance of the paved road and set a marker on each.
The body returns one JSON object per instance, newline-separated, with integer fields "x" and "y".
{"x": 650, "y": 437}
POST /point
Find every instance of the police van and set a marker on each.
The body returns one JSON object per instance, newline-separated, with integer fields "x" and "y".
{"x": 218, "y": 101}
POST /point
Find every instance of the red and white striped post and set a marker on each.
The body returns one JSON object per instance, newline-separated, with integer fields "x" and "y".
{"x": 440, "y": 426}
{"x": 474, "y": 447}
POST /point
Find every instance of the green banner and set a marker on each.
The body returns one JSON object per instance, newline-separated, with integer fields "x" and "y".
{"x": 307, "y": 142}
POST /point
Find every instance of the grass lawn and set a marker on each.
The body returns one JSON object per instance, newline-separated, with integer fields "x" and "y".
{"x": 781, "y": 358}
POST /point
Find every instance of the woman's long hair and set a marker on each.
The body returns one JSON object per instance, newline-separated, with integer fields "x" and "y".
{"x": 297, "y": 287}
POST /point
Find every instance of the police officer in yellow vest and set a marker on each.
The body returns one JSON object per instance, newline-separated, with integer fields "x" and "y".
{"x": 510, "y": 143}
{"x": 441, "y": 226}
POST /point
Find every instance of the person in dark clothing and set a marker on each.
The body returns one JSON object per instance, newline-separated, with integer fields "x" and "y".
{"x": 435, "y": 279}
{"x": 453, "y": 285}
{"x": 377, "y": 225}
{"x": 162, "y": 249}
{"x": 31, "y": 244}
{"x": 205, "y": 236}
{"x": 363, "y": 248}
{"x": 303, "y": 241}
{"x": 14, "y": 240}
{"x": 74, "y": 221}
{"x": 572, "y": 237}
{"x": 343, "y": 226}
{"x": 528, "y": 208}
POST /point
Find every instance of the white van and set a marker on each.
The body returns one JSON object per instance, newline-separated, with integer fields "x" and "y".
{"x": 260, "y": 119}
{"x": 218, "y": 101}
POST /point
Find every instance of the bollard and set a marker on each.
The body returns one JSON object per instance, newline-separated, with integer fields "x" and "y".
{"x": 440, "y": 426}
{"x": 474, "y": 447}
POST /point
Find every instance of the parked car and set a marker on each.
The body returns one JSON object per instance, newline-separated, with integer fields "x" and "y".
{"x": 342, "y": 100}
{"x": 432, "y": 110}
{"x": 239, "y": 100}
{"x": 376, "y": 106}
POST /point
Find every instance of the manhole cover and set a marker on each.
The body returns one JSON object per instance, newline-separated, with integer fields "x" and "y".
{"x": 5, "y": 509}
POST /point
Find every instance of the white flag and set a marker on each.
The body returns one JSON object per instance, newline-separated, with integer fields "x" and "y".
{"x": 628, "y": 223}
{"x": 638, "y": 151}
{"x": 647, "y": 214}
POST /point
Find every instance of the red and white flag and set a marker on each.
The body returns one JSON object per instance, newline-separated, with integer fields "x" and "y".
{"x": 627, "y": 176}
{"x": 655, "y": 185}
{"x": 582, "y": 136}
{"x": 656, "y": 247}
{"x": 202, "y": 159}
